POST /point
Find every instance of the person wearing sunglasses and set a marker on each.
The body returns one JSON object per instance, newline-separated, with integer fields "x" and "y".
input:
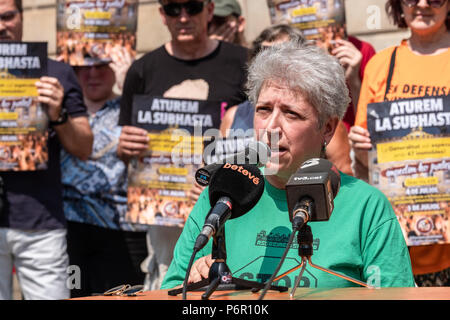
{"x": 32, "y": 222}
{"x": 418, "y": 67}
{"x": 10, "y": 25}
{"x": 189, "y": 66}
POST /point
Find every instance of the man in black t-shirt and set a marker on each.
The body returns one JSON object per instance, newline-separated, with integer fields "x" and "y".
{"x": 32, "y": 223}
{"x": 190, "y": 66}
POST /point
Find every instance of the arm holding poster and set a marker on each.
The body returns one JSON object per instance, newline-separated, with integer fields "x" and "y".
{"x": 350, "y": 58}
{"x": 74, "y": 133}
{"x": 359, "y": 139}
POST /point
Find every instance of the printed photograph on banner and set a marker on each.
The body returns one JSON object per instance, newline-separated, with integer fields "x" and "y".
{"x": 410, "y": 164}
{"x": 23, "y": 120}
{"x": 159, "y": 182}
{"x": 321, "y": 21}
{"x": 96, "y": 31}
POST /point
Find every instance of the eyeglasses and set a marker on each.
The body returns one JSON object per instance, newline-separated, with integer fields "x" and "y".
{"x": 432, "y": 3}
{"x": 124, "y": 290}
{"x": 8, "y": 15}
{"x": 192, "y": 8}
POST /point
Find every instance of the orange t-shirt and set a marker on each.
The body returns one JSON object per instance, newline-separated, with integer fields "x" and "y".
{"x": 413, "y": 76}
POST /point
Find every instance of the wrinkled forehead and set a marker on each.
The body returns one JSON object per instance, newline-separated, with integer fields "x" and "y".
{"x": 282, "y": 87}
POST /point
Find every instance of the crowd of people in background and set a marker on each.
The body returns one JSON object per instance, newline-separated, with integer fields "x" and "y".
{"x": 74, "y": 213}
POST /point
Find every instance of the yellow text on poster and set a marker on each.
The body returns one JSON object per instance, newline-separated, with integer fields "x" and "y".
{"x": 304, "y": 11}
{"x": 173, "y": 170}
{"x": 175, "y": 143}
{"x": 421, "y": 181}
{"x": 413, "y": 150}
{"x": 18, "y": 87}
{"x": 97, "y": 15}
{"x": 9, "y": 116}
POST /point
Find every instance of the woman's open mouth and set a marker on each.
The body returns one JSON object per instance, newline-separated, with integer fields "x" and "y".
{"x": 278, "y": 150}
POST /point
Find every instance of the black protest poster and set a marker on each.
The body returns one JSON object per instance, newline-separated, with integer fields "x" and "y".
{"x": 23, "y": 121}
{"x": 160, "y": 181}
{"x": 410, "y": 164}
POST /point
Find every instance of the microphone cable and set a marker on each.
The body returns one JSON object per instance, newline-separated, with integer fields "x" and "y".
{"x": 269, "y": 283}
{"x": 188, "y": 271}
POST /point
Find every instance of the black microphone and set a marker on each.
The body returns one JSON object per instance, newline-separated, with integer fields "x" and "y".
{"x": 311, "y": 191}
{"x": 256, "y": 153}
{"x": 233, "y": 191}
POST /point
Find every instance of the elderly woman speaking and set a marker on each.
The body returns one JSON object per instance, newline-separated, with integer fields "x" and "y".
{"x": 299, "y": 94}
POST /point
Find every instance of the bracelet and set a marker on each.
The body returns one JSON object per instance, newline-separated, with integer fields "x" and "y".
{"x": 63, "y": 117}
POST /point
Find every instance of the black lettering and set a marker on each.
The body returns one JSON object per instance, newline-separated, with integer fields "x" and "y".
{"x": 405, "y": 88}
{"x": 420, "y": 90}
{"x": 304, "y": 282}
{"x": 263, "y": 277}
{"x": 286, "y": 280}
{"x": 246, "y": 275}
{"x": 435, "y": 91}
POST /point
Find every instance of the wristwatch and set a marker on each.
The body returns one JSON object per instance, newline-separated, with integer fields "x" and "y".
{"x": 63, "y": 116}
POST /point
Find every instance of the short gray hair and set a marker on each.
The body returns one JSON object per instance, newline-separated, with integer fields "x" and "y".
{"x": 305, "y": 69}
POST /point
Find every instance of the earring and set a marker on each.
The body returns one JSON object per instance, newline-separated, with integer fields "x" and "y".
{"x": 323, "y": 152}
{"x": 324, "y": 149}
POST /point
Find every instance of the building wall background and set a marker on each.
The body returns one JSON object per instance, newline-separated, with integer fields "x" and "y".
{"x": 366, "y": 19}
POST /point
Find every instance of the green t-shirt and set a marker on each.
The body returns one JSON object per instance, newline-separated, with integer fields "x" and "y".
{"x": 362, "y": 239}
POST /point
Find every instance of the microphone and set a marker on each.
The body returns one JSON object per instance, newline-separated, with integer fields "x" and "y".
{"x": 256, "y": 153}
{"x": 311, "y": 191}
{"x": 234, "y": 190}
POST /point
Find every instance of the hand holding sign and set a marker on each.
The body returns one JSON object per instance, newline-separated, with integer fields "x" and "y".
{"x": 133, "y": 141}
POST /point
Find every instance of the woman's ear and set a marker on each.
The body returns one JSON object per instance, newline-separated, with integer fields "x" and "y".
{"x": 329, "y": 129}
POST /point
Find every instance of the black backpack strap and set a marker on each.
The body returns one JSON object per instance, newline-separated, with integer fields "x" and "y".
{"x": 391, "y": 71}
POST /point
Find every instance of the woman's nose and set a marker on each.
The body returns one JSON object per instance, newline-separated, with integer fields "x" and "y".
{"x": 273, "y": 128}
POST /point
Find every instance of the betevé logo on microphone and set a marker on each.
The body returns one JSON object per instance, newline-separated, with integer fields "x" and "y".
{"x": 243, "y": 171}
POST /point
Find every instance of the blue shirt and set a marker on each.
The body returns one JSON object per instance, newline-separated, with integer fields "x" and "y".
{"x": 95, "y": 191}
{"x": 243, "y": 118}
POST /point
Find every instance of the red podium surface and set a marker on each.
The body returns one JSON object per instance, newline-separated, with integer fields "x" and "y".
{"x": 357, "y": 293}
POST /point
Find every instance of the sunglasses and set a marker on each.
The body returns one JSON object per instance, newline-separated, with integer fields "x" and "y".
{"x": 8, "y": 15}
{"x": 124, "y": 290}
{"x": 432, "y": 3}
{"x": 192, "y": 8}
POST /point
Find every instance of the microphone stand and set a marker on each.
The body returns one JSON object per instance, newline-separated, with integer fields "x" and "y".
{"x": 305, "y": 250}
{"x": 220, "y": 276}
